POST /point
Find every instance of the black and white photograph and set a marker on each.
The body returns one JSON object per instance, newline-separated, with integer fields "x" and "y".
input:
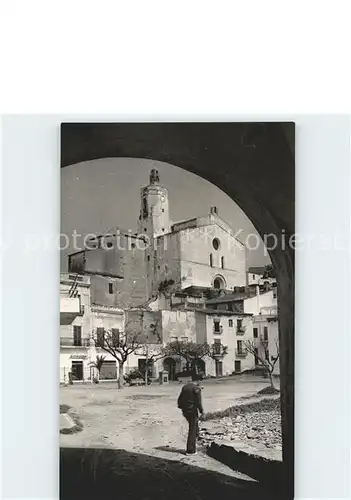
{"x": 176, "y": 357}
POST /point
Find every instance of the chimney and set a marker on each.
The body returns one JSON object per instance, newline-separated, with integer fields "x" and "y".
{"x": 213, "y": 210}
{"x": 258, "y": 298}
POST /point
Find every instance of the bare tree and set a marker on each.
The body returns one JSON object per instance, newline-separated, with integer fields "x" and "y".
{"x": 262, "y": 355}
{"x": 190, "y": 351}
{"x": 99, "y": 361}
{"x": 135, "y": 339}
{"x": 120, "y": 345}
{"x": 152, "y": 351}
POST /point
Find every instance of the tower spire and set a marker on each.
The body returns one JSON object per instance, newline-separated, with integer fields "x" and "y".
{"x": 154, "y": 176}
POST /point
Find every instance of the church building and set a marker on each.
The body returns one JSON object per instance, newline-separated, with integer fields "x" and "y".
{"x": 198, "y": 253}
{"x": 127, "y": 269}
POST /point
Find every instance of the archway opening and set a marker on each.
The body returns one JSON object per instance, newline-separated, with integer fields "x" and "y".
{"x": 232, "y": 160}
{"x": 170, "y": 365}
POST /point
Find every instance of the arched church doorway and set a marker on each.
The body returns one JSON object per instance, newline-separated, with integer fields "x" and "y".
{"x": 218, "y": 283}
{"x": 201, "y": 367}
{"x": 169, "y": 365}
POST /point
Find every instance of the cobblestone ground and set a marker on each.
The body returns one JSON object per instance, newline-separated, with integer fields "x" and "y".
{"x": 146, "y": 421}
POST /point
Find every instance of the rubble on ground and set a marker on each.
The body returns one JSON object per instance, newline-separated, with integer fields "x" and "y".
{"x": 257, "y": 426}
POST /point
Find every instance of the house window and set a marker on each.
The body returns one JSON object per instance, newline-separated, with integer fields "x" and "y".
{"x": 145, "y": 229}
{"x": 109, "y": 244}
{"x": 173, "y": 339}
{"x": 239, "y": 344}
{"x": 231, "y": 323}
{"x": 163, "y": 229}
{"x": 239, "y": 324}
{"x": 166, "y": 269}
{"x": 110, "y": 288}
{"x": 163, "y": 210}
{"x": 217, "y": 326}
{"x": 217, "y": 346}
{"x": 100, "y": 337}
{"x": 222, "y": 262}
{"x": 148, "y": 258}
{"x": 184, "y": 339}
{"x": 255, "y": 333}
{"x": 77, "y": 335}
{"x": 211, "y": 260}
{"x": 115, "y": 337}
{"x": 265, "y": 333}
{"x": 253, "y": 277}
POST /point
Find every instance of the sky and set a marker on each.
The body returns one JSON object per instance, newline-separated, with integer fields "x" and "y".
{"x": 99, "y": 195}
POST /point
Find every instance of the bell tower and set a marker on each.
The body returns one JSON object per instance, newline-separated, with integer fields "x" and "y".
{"x": 154, "y": 212}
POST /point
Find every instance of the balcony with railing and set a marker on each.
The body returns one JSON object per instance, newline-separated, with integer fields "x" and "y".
{"x": 241, "y": 353}
{"x": 74, "y": 342}
{"x": 219, "y": 350}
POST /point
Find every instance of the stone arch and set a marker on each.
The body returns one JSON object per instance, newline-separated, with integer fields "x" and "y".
{"x": 254, "y": 164}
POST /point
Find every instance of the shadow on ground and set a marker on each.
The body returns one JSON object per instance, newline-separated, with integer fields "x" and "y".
{"x": 104, "y": 474}
{"x": 171, "y": 449}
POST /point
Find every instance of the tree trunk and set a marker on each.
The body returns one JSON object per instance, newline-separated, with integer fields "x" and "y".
{"x": 120, "y": 375}
{"x": 194, "y": 366}
{"x": 146, "y": 365}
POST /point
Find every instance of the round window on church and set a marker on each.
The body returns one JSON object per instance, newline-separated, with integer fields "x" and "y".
{"x": 216, "y": 243}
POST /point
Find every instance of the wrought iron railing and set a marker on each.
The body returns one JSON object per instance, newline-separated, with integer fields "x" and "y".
{"x": 74, "y": 342}
{"x": 240, "y": 330}
{"x": 241, "y": 353}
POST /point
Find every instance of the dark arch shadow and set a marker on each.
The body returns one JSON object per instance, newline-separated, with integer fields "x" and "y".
{"x": 254, "y": 164}
{"x": 104, "y": 474}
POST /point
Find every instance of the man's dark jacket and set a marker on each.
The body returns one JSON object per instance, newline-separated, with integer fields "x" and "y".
{"x": 190, "y": 398}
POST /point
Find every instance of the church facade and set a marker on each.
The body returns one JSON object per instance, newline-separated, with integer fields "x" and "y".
{"x": 201, "y": 252}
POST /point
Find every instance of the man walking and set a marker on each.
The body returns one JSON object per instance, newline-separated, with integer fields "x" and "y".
{"x": 190, "y": 402}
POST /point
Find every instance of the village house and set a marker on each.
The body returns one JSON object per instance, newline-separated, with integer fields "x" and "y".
{"x": 81, "y": 326}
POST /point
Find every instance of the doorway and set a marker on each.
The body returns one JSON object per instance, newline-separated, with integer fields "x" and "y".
{"x": 237, "y": 366}
{"x": 142, "y": 367}
{"x": 169, "y": 365}
{"x": 77, "y": 370}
